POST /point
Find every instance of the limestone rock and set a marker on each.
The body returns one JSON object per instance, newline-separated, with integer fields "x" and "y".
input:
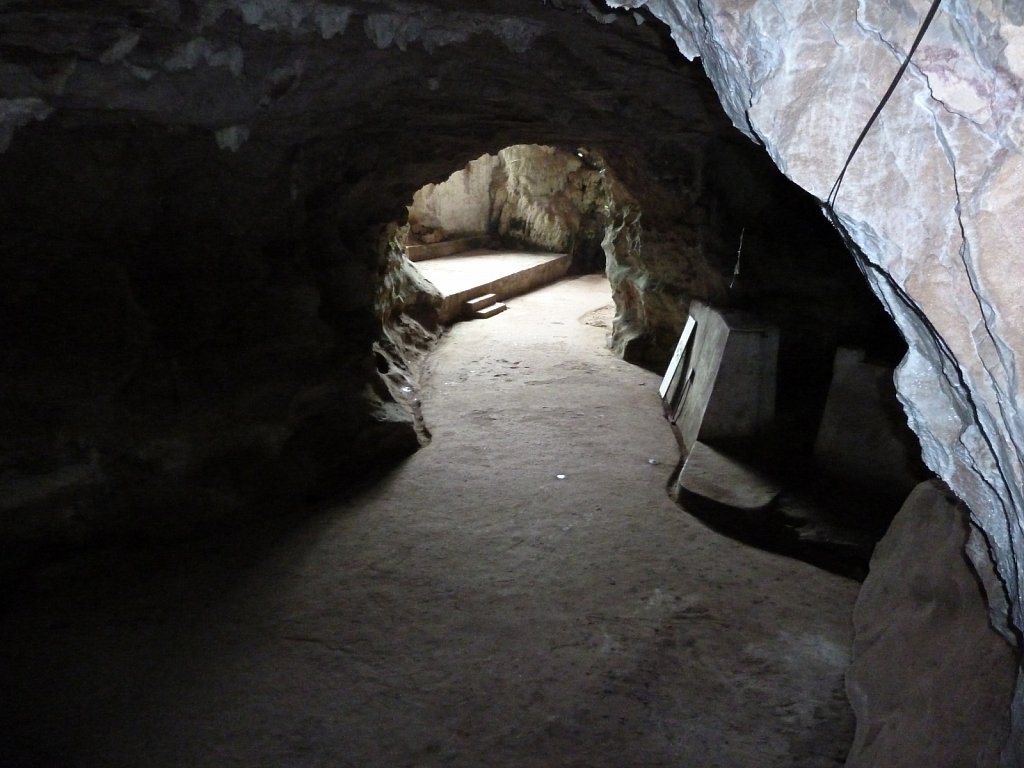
{"x": 14, "y": 113}
{"x": 537, "y": 196}
{"x": 930, "y": 204}
{"x": 930, "y": 680}
{"x": 458, "y": 206}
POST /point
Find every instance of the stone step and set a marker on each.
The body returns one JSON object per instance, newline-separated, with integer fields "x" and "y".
{"x": 481, "y": 302}
{"x": 490, "y": 311}
{"x": 505, "y": 273}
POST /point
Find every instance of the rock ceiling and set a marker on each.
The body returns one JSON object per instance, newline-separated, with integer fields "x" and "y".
{"x": 405, "y": 91}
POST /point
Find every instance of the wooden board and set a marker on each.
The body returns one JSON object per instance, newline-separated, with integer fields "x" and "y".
{"x": 676, "y": 366}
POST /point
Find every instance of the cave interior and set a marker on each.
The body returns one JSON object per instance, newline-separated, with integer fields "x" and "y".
{"x": 208, "y": 318}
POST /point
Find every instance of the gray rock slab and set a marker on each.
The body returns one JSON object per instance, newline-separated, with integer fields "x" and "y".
{"x": 930, "y": 681}
{"x": 720, "y": 478}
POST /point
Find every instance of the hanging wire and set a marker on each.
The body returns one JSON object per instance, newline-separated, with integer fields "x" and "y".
{"x": 834, "y": 193}
{"x": 739, "y": 254}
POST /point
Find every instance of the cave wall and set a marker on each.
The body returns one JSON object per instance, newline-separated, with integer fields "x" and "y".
{"x": 919, "y": 612}
{"x": 555, "y": 200}
{"x": 459, "y": 206}
{"x": 528, "y": 195}
{"x": 181, "y": 340}
{"x": 931, "y": 205}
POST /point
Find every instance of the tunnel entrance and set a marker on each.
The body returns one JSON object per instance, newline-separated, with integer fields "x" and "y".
{"x": 508, "y": 223}
{"x": 833, "y": 459}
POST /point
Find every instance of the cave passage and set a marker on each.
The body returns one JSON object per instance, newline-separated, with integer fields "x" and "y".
{"x": 834, "y": 459}
{"x": 508, "y": 223}
{"x": 520, "y": 590}
{"x": 203, "y": 331}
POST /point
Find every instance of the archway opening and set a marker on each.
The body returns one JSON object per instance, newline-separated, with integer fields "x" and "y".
{"x": 510, "y": 222}
{"x": 832, "y": 447}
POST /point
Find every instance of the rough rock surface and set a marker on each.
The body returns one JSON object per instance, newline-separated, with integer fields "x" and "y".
{"x": 165, "y": 350}
{"x": 459, "y": 206}
{"x": 920, "y": 617}
{"x": 931, "y": 204}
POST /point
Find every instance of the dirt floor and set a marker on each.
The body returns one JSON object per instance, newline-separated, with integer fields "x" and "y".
{"x": 520, "y": 593}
